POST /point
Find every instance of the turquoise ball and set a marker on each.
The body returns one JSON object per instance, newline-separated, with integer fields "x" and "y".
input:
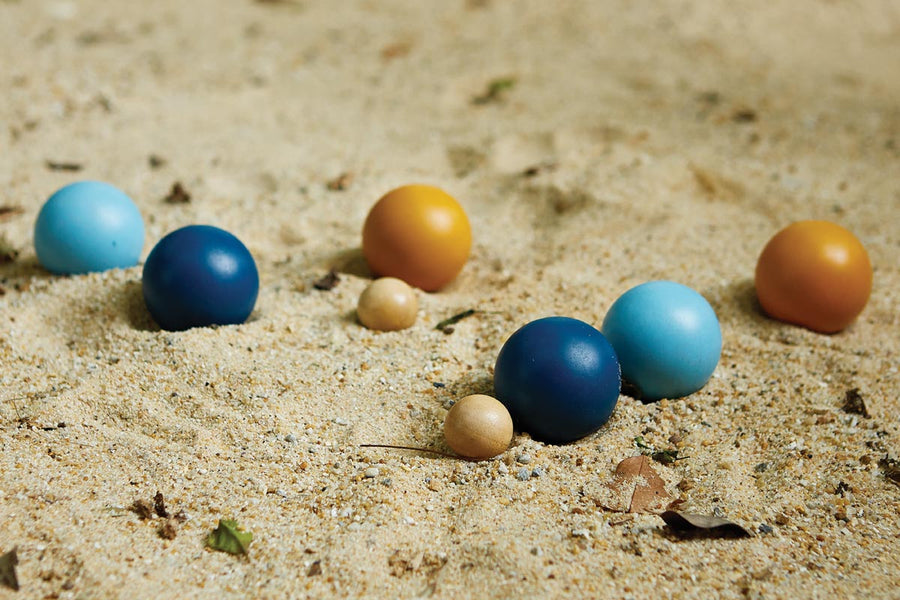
{"x": 667, "y": 338}
{"x": 88, "y": 226}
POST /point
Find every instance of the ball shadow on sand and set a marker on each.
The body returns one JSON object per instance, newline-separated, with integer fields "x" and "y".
{"x": 16, "y": 270}
{"x": 129, "y": 298}
{"x": 351, "y": 262}
{"x": 742, "y": 296}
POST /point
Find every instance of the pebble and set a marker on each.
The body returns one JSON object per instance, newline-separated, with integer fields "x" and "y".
{"x": 537, "y": 472}
{"x": 582, "y": 533}
{"x": 371, "y": 473}
{"x": 290, "y": 438}
{"x": 523, "y": 474}
{"x": 523, "y": 459}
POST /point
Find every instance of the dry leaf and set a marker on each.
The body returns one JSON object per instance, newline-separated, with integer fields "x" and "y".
{"x": 159, "y": 506}
{"x": 703, "y": 525}
{"x": 854, "y": 403}
{"x": 328, "y": 282}
{"x": 143, "y": 509}
{"x": 396, "y": 50}
{"x": 648, "y": 490}
{"x": 8, "y": 564}
{"x": 891, "y": 469}
{"x": 8, "y": 211}
{"x": 177, "y": 195}
{"x": 315, "y": 569}
{"x": 167, "y": 530}
{"x": 340, "y": 183}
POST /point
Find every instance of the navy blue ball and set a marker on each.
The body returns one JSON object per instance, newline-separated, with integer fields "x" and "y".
{"x": 198, "y": 276}
{"x": 559, "y": 378}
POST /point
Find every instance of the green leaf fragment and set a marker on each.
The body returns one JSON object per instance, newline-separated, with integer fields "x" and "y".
{"x": 228, "y": 537}
{"x": 448, "y": 323}
{"x": 495, "y": 89}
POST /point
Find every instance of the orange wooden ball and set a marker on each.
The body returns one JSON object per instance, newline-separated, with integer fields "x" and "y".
{"x": 478, "y": 427}
{"x": 815, "y": 274}
{"x": 417, "y": 233}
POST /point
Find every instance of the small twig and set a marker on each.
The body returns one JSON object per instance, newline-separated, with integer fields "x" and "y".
{"x": 63, "y": 166}
{"x": 414, "y": 449}
{"x": 7, "y": 211}
{"x": 16, "y": 408}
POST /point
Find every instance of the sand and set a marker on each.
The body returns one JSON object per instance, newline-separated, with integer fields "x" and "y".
{"x": 633, "y": 141}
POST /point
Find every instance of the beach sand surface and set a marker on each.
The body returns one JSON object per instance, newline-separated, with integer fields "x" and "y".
{"x": 595, "y": 145}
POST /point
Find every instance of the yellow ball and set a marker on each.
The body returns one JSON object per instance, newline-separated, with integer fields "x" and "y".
{"x": 387, "y": 304}
{"x": 418, "y": 233}
{"x": 478, "y": 427}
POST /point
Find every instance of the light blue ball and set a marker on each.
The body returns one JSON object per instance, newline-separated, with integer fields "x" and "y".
{"x": 667, "y": 338}
{"x": 88, "y": 226}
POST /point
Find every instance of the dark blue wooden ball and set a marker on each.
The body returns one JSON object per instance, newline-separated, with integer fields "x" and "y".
{"x": 559, "y": 378}
{"x": 198, "y": 276}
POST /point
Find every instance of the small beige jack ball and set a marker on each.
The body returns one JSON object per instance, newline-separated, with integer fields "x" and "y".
{"x": 478, "y": 427}
{"x": 387, "y": 304}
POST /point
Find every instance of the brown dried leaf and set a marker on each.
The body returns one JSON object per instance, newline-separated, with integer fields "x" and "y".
{"x": 8, "y": 211}
{"x": 340, "y": 183}
{"x": 703, "y": 525}
{"x": 891, "y": 469}
{"x": 167, "y": 530}
{"x": 8, "y": 564}
{"x": 315, "y": 569}
{"x": 177, "y": 195}
{"x": 854, "y": 403}
{"x": 328, "y": 281}
{"x": 649, "y": 489}
{"x": 143, "y": 509}
{"x": 396, "y": 50}
{"x": 159, "y": 506}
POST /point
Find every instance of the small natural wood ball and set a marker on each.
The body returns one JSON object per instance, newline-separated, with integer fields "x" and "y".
{"x": 387, "y": 304}
{"x": 478, "y": 427}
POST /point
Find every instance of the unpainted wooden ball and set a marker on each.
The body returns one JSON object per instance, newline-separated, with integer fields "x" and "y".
{"x": 387, "y": 304}
{"x": 478, "y": 427}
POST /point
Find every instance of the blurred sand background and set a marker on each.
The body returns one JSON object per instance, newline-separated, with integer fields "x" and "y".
{"x": 632, "y": 141}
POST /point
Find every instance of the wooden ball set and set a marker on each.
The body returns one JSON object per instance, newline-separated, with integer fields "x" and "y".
{"x": 556, "y": 378}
